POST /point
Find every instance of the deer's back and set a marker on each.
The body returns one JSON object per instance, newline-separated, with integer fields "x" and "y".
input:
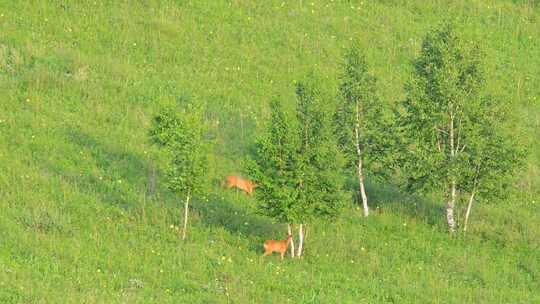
{"x": 273, "y": 245}
{"x": 239, "y": 182}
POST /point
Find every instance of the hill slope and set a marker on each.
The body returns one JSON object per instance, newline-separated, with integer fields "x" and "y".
{"x": 85, "y": 217}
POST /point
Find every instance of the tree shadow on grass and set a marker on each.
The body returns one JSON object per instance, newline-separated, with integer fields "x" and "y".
{"x": 232, "y": 214}
{"x": 384, "y": 198}
{"x": 224, "y": 212}
{"x": 121, "y": 180}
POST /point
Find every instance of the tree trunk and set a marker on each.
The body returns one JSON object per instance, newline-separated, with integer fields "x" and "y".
{"x": 450, "y": 208}
{"x": 471, "y": 199}
{"x": 452, "y": 197}
{"x": 362, "y": 188}
{"x": 359, "y": 167}
{"x": 289, "y": 232}
{"x": 186, "y": 208}
{"x": 300, "y": 239}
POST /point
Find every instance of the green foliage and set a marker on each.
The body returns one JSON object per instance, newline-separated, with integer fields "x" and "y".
{"x": 320, "y": 182}
{"x": 297, "y": 164}
{"x": 360, "y": 106}
{"x": 452, "y": 129}
{"x": 493, "y": 157}
{"x": 444, "y": 86}
{"x": 274, "y": 165}
{"x": 182, "y": 133}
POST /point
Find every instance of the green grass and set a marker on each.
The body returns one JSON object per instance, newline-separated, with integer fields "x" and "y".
{"x": 82, "y": 222}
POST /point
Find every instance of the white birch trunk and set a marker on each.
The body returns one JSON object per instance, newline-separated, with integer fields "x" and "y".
{"x": 471, "y": 200}
{"x": 186, "y": 208}
{"x": 450, "y": 208}
{"x": 359, "y": 167}
{"x": 300, "y": 239}
{"x": 362, "y": 189}
{"x": 289, "y": 232}
{"x": 452, "y": 197}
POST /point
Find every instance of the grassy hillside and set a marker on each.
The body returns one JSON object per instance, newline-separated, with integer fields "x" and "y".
{"x": 85, "y": 217}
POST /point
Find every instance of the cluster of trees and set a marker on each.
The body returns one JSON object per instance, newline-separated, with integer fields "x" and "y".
{"x": 445, "y": 138}
{"x": 297, "y": 163}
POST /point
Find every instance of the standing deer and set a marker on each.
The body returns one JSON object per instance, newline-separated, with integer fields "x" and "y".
{"x": 271, "y": 246}
{"x": 240, "y": 183}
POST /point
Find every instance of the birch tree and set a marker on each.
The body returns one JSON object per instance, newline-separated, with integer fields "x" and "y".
{"x": 273, "y": 167}
{"x": 443, "y": 120}
{"x": 320, "y": 183}
{"x": 493, "y": 157}
{"x": 359, "y": 119}
{"x": 446, "y": 80}
{"x": 181, "y": 134}
{"x": 297, "y": 164}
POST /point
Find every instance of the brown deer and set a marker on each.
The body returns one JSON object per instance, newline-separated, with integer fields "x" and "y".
{"x": 240, "y": 183}
{"x": 271, "y": 246}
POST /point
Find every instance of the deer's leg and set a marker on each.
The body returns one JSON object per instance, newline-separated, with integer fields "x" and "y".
{"x": 243, "y": 189}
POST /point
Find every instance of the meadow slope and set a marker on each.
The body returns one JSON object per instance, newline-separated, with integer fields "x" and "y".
{"x": 85, "y": 216}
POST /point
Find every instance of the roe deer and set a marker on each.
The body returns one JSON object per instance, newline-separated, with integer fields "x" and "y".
{"x": 271, "y": 246}
{"x": 240, "y": 183}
